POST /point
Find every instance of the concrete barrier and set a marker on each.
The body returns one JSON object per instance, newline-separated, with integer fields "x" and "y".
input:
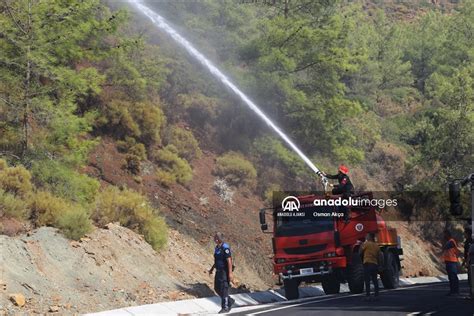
{"x": 211, "y": 305}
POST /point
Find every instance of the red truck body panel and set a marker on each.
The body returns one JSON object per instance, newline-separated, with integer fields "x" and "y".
{"x": 299, "y": 251}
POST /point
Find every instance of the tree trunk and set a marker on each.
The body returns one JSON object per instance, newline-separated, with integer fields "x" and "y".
{"x": 287, "y": 9}
{"x": 27, "y": 99}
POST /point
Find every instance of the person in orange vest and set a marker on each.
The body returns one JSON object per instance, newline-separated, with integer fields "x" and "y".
{"x": 450, "y": 258}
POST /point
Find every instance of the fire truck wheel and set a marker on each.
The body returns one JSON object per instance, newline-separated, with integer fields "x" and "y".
{"x": 331, "y": 284}
{"x": 291, "y": 289}
{"x": 390, "y": 275}
{"x": 356, "y": 275}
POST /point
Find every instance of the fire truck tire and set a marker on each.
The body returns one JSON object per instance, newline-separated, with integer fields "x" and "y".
{"x": 291, "y": 289}
{"x": 356, "y": 275}
{"x": 390, "y": 275}
{"x": 331, "y": 284}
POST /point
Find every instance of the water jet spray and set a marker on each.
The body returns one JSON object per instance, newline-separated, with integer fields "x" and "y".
{"x": 162, "y": 24}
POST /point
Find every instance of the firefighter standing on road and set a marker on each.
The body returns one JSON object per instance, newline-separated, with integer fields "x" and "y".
{"x": 223, "y": 276}
{"x": 450, "y": 258}
{"x": 344, "y": 188}
{"x": 370, "y": 253}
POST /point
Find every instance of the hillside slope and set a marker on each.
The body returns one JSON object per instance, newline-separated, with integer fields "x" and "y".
{"x": 134, "y": 131}
{"x": 107, "y": 269}
{"x": 114, "y": 267}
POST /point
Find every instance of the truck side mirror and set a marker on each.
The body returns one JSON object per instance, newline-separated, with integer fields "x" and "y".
{"x": 455, "y": 197}
{"x": 263, "y": 224}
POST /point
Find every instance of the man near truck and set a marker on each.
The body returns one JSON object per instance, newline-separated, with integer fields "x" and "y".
{"x": 223, "y": 276}
{"x": 370, "y": 252}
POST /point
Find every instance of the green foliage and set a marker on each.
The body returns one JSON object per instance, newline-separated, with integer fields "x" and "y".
{"x": 200, "y": 107}
{"x": 236, "y": 170}
{"x": 15, "y": 180}
{"x": 132, "y": 163}
{"x": 269, "y": 192}
{"x": 377, "y": 49}
{"x": 64, "y": 181}
{"x": 132, "y": 210}
{"x": 74, "y": 223}
{"x": 346, "y": 82}
{"x": 165, "y": 178}
{"x": 125, "y": 119}
{"x": 13, "y": 206}
{"x": 135, "y": 68}
{"x": 184, "y": 141}
{"x": 48, "y": 210}
{"x": 172, "y": 168}
{"x": 150, "y": 118}
{"x": 288, "y": 76}
{"x": 43, "y": 43}
{"x": 138, "y": 150}
{"x": 426, "y": 40}
{"x": 216, "y": 24}
{"x": 155, "y": 232}
{"x": 447, "y": 129}
{"x": 135, "y": 154}
{"x": 272, "y": 153}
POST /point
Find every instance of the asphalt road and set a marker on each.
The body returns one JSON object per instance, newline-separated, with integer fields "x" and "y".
{"x": 427, "y": 299}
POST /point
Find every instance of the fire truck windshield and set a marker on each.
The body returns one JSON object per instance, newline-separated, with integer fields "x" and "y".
{"x": 309, "y": 220}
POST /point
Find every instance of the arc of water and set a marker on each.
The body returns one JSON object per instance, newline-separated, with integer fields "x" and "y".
{"x": 161, "y": 23}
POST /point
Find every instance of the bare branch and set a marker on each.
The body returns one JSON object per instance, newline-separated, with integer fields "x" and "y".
{"x": 291, "y": 35}
{"x": 8, "y": 102}
{"x": 4, "y": 153}
{"x": 305, "y": 66}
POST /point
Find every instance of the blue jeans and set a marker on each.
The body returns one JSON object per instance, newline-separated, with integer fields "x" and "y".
{"x": 452, "y": 270}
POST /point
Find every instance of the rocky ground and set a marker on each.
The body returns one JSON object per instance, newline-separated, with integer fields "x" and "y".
{"x": 109, "y": 268}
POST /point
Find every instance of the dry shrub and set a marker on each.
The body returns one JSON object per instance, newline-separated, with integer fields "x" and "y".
{"x": 133, "y": 210}
{"x": 172, "y": 168}
{"x": 236, "y": 170}
{"x": 15, "y": 180}
{"x": 48, "y": 210}
{"x": 13, "y": 206}
{"x": 184, "y": 141}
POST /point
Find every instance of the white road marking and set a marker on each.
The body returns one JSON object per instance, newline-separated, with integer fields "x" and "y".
{"x": 300, "y": 304}
{"x": 316, "y": 300}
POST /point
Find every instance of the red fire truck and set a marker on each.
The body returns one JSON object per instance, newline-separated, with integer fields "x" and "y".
{"x": 315, "y": 244}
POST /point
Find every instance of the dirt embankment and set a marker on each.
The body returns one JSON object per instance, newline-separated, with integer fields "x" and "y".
{"x": 197, "y": 211}
{"x": 115, "y": 267}
{"x": 107, "y": 269}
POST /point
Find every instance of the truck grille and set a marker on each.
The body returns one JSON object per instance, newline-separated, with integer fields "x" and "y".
{"x": 304, "y": 250}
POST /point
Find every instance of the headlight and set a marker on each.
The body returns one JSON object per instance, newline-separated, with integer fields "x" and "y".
{"x": 280, "y": 260}
{"x": 329, "y": 255}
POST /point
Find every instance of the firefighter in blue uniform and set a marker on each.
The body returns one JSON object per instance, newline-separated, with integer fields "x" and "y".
{"x": 223, "y": 276}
